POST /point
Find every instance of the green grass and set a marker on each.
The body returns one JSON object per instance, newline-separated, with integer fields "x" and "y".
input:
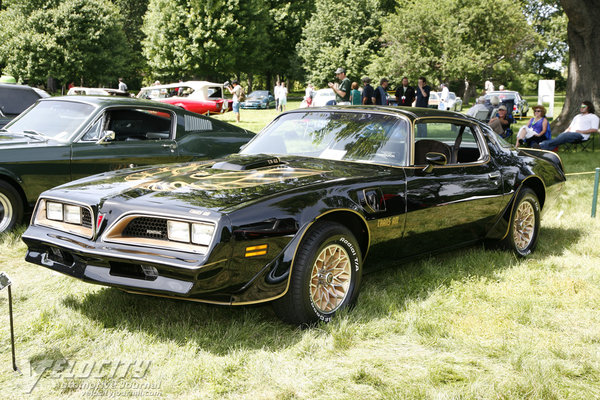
{"x": 471, "y": 324}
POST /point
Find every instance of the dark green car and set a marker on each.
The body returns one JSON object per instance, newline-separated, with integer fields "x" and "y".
{"x": 65, "y": 138}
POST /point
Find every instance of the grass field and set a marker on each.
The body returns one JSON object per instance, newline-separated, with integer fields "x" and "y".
{"x": 471, "y": 324}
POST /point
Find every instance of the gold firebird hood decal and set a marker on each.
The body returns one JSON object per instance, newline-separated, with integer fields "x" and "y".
{"x": 192, "y": 177}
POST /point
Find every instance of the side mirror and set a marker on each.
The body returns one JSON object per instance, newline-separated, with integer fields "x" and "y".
{"x": 434, "y": 158}
{"x": 108, "y": 137}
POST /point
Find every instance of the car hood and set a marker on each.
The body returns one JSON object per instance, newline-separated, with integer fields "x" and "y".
{"x": 222, "y": 185}
{"x": 12, "y": 139}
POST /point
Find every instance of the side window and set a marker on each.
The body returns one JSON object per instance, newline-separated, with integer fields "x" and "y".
{"x": 457, "y": 141}
{"x": 94, "y": 133}
{"x": 139, "y": 124}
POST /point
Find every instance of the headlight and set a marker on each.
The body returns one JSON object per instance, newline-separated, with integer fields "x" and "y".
{"x": 54, "y": 211}
{"x": 178, "y": 231}
{"x": 202, "y": 233}
{"x": 65, "y": 217}
{"x": 72, "y": 214}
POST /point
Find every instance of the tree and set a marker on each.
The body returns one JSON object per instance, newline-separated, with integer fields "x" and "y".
{"x": 68, "y": 40}
{"x": 214, "y": 40}
{"x": 455, "y": 41}
{"x": 583, "y": 82}
{"x": 340, "y": 35}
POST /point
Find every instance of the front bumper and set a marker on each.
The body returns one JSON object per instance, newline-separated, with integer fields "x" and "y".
{"x": 144, "y": 270}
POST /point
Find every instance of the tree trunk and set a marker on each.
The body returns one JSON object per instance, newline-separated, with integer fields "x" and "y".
{"x": 583, "y": 82}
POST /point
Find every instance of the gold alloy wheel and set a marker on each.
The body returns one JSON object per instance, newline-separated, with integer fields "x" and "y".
{"x": 330, "y": 278}
{"x": 524, "y": 225}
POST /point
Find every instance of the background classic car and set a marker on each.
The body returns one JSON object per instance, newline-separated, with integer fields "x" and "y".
{"x": 14, "y": 99}
{"x": 196, "y": 96}
{"x": 513, "y": 100}
{"x": 65, "y": 138}
{"x": 291, "y": 218}
{"x": 259, "y": 99}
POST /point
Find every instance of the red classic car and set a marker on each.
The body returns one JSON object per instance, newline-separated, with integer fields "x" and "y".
{"x": 197, "y": 96}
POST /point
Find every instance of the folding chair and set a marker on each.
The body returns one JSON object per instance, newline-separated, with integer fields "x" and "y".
{"x": 583, "y": 144}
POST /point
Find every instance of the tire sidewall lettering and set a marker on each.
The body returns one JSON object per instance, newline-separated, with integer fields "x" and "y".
{"x": 351, "y": 249}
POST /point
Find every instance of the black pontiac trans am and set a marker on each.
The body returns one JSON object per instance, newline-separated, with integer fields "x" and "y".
{"x": 292, "y": 217}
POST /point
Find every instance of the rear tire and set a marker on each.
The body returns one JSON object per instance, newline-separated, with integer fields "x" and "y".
{"x": 11, "y": 207}
{"x": 325, "y": 276}
{"x": 524, "y": 226}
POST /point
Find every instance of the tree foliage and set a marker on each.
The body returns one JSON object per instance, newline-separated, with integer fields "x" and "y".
{"x": 454, "y": 41}
{"x": 340, "y": 35}
{"x": 79, "y": 40}
{"x": 213, "y": 39}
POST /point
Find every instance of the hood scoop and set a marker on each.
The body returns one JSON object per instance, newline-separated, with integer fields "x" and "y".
{"x": 244, "y": 163}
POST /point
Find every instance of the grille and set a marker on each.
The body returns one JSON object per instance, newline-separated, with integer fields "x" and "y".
{"x": 86, "y": 218}
{"x": 146, "y": 227}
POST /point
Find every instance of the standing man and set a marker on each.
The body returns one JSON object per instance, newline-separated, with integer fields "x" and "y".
{"x": 368, "y": 92}
{"x": 236, "y": 90}
{"x": 122, "y": 85}
{"x": 342, "y": 91}
{"x": 580, "y": 129}
{"x": 423, "y": 91}
{"x": 444, "y": 97}
{"x": 277, "y": 94}
{"x": 283, "y": 92}
{"x": 405, "y": 95}
{"x": 380, "y": 93}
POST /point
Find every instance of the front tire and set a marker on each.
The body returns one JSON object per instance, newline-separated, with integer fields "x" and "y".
{"x": 524, "y": 224}
{"x": 11, "y": 207}
{"x": 325, "y": 276}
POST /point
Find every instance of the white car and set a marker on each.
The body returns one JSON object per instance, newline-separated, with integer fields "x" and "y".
{"x": 453, "y": 103}
{"x": 86, "y": 91}
{"x": 322, "y": 97}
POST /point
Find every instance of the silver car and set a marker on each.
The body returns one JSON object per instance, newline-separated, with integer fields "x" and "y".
{"x": 520, "y": 107}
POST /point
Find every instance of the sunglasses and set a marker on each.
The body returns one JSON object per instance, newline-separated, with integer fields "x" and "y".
{"x": 537, "y": 110}
{"x": 583, "y": 106}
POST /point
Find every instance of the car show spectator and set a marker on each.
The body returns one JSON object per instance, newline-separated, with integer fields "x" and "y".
{"x": 381, "y": 92}
{"x": 355, "y": 95}
{"x": 501, "y": 122}
{"x": 405, "y": 94}
{"x": 309, "y": 93}
{"x": 368, "y": 92}
{"x": 237, "y": 91}
{"x": 479, "y": 106}
{"x": 283, "y": 92}
{"x": 536, "y": 131}
{"x": 342, "y": 90}
{"x": 423, "y": 90}
{"x": 122, "y": 85}
{"x": 444, "y": 97}
{"x": 277, "y": 95}
{"x": 488, "y": 86}
{"x": 583, "y": 125}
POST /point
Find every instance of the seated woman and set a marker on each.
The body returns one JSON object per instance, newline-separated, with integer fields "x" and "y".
{"x": 536, "y": 131}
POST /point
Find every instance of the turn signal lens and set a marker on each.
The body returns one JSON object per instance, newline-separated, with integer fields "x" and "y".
{"x": 178, "y": 231}
{"x": 54, "y": 211}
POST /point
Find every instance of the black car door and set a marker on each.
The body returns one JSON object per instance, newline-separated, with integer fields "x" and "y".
{"x": 454, "y": 203}
{"x": 141, "y": 137}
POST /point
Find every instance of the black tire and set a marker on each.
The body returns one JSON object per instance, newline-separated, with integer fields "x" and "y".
{"x": 524, "y": 225}
{"x": 11, "y": 207}
{"x": 309, "y": 298}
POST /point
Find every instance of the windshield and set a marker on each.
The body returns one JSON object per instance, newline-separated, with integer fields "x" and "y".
{"x": 335, "y": 135}
{"x": 501, "y": 96}
{"x": 57, "y": 120}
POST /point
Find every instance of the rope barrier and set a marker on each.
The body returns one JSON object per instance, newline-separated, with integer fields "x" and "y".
{"x": 580, "y": 173}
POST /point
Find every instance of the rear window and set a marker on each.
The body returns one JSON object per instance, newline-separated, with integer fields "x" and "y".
{"x": 15, "y": 100}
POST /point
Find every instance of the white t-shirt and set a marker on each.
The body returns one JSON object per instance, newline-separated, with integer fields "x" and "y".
{"x": 584, "y": 122}
{"x": 236, "y": 93}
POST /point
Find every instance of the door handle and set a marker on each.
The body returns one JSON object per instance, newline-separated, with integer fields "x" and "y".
{"x": 494, "y": 175}
{"x": 171, "y": 146}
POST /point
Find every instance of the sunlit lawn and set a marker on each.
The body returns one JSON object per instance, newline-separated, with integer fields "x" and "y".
{"x": 471, "y": 324}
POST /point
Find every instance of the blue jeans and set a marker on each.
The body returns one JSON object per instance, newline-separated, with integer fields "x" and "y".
{"x": 565, "y": 137}
{"x": 236, "y": 107}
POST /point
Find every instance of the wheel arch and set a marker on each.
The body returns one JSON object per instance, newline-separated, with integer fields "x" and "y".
{"x": 353, "y": 221}
{"x": 14, "y": 182}
{"x": 536, "y": 184}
